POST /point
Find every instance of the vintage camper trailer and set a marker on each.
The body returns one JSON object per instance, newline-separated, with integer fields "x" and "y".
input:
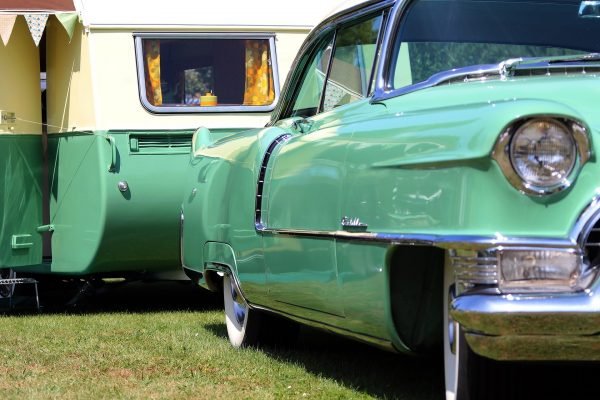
{"x": 92, "y": 157}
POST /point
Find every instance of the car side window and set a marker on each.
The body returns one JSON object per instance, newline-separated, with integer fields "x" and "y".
{"x": 352, "y": 65}
{"x": 309, "y": 95}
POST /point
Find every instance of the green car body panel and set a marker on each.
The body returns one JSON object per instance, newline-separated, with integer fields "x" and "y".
{"x": 406, "y": 165}
{"x": 269, "y": 204}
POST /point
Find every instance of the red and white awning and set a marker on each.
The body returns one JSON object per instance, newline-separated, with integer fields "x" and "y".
{"x": 36, "y": 13}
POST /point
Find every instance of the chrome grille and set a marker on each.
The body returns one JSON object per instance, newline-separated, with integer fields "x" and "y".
{"x": 592, "y": 243}
{"x": 474, "y": 268}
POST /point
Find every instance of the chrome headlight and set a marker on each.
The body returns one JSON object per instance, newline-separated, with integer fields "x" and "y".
{"x": 543, "y": 152}
{"x": 547, "y": 270}
{"x": 542, "y": 155}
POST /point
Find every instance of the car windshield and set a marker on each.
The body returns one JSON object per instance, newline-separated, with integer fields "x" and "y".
{"x": 441, "y": 35}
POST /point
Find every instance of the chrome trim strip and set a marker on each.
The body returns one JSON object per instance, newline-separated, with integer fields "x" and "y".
{"x": 258, "y": 206}
{"x": 181, "y": 220}
{"x": 445, "y": 242}
{"x": 574, "y": 313}
{"x": 283, "y": 108}
{"x": 475, "y": 72}
{"x": 382, "y": 85}
{"x": 138, "y": 36}
{"x": 576, "y": 239}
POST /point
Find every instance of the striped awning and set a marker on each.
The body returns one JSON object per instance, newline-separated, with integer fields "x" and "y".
{"x": 36, "y": 13}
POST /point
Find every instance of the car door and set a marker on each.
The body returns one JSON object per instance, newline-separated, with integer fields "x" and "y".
{"x": 303, "y": 185}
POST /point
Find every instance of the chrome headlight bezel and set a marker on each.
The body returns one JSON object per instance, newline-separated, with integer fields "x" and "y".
{"x": 502, "y": 154}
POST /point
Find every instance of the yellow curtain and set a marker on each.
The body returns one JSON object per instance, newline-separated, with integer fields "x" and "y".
{"x": 152, "y": 66}
{"x": 259, "y": 74}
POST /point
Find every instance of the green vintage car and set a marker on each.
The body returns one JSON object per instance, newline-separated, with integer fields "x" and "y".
{"x": 429, "y": 177}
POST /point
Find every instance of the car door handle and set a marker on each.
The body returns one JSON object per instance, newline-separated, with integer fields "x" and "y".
{"x": 113, "y": 153}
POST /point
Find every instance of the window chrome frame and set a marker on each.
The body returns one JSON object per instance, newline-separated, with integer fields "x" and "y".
{"x": 332, "y": 23}
{"x": 383, "y": 86}
{"x": 185, "y": 109}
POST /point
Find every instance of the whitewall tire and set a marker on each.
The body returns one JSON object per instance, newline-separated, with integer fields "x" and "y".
{"x": 241, "y": 328}
{"x": 250, "y": 327}
{"x": 450, "y": 328}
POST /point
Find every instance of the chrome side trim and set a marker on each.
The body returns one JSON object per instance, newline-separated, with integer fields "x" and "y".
{"x": 258, "y": 208}
{"x": 181, "y": 220}
{"x": 576, "y": 239}
{"x": 445, "y": 242}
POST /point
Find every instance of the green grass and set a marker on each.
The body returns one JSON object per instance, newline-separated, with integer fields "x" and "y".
{"x": 155, "y": 342}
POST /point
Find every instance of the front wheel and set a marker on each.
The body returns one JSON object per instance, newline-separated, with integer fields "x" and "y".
{"x": 468, "y": 376}
{"x": 452, "y": 356}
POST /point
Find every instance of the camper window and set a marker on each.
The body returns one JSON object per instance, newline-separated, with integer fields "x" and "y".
{"x": 207, "y": 73}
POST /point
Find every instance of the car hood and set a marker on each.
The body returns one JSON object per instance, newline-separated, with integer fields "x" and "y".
{"x": 464, "y": 120}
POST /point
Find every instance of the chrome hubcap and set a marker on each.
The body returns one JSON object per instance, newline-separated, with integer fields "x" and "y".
{"x": 240, "y": 308}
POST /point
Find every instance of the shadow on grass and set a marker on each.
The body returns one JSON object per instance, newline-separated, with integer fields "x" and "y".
{"x": 133, "y": 297}
{"x": 359, "y": 366}
{"x": 396, "y": 376}
{"x": 351, "y": 364}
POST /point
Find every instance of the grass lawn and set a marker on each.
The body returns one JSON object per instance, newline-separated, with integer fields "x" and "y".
{"x": 168, "y": 341}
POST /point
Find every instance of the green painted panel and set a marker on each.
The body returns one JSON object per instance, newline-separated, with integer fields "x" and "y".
{"x": 426, "y": 167}
{"x": 78, "y": 165}
{"x": 363, "y": 270}
{"x": 218, "y": 203}
{"x": 302, "y": 275}
{"x": 20, "y": 200}
{"x": 100, "y": 229}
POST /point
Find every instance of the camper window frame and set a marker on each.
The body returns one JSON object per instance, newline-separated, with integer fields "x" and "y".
{"x": 139, "y": 54}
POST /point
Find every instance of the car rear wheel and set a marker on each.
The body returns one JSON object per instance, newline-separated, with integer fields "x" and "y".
{"x": 250, "y": 327}
{"x": 242, "y": 322}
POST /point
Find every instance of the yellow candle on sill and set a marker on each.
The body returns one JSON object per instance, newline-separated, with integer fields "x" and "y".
{"x": 208, "y": 100}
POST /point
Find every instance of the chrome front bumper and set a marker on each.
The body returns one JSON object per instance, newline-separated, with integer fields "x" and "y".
{"x": 562, "y": 326}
